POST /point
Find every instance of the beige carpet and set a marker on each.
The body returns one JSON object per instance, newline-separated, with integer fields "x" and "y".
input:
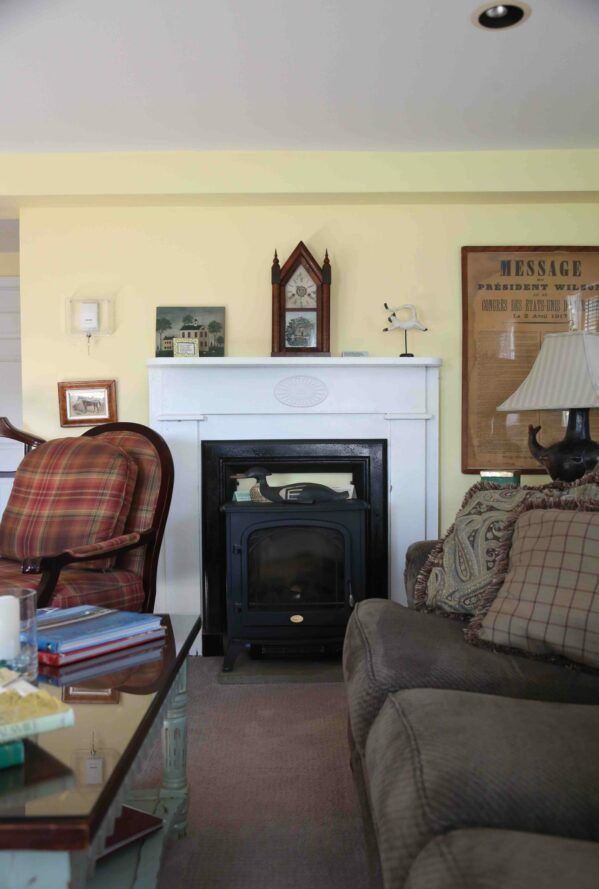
{"x": 272, "y": 799}
{"x": 274, "y": 670}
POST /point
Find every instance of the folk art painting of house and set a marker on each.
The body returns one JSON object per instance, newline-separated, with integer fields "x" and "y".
{"x": 204, "y": 324}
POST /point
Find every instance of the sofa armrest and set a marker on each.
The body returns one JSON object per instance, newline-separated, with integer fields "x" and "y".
{"x": 438, "y": 761}
{"x": 108, "y": 547}
{"x": 505, "y": 859}
{"x": 416, "y": 556}
{"x": 88, "y": 553}
{"x": 51, "y": 566}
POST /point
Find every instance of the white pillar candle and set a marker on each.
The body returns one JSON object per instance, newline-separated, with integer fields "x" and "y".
{"x": 10, "y": 627}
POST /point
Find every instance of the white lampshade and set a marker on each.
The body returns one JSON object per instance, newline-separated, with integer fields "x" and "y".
{"x": 565, "y": 375}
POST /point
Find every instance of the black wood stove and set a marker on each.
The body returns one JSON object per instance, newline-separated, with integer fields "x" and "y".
{"x": 294, "y": 573}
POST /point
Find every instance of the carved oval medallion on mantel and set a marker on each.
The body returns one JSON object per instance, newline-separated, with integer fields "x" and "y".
{"x": 301, "y": 391}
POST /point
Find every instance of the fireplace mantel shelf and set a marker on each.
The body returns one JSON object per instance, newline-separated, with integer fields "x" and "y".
{"x": 294, "y": 362}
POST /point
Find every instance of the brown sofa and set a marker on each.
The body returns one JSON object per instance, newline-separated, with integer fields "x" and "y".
{"x": 474, "y": 768}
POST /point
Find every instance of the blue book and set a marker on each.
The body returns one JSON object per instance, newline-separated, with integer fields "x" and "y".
{"x": 80, "y": 671}
{"x": 60, "y": 630}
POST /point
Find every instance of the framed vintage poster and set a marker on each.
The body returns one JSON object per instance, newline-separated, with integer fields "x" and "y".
{"x": 512, "y": 297}
{"x": 87, "y": 402}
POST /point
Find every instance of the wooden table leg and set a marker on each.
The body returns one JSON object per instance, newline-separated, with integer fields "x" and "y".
{"x": 138, "y": 866}
{"x": 174, "y": 749}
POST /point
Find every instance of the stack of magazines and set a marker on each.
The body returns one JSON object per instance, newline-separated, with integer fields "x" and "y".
{"x": 68, "y": 635}
{"x": 26, "y": 710}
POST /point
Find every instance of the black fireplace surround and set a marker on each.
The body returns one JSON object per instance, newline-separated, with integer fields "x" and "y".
{"x": 364, "y": 459}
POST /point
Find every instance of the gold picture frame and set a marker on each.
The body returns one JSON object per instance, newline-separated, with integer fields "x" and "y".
{"x": 185, "y": 348}
{"x": 87, "y": 402}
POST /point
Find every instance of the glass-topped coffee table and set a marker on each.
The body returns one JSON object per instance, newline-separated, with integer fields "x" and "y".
{"x": 74, "y": 798}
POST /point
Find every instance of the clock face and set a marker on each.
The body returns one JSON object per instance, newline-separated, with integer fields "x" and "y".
{"x": 300, "y": 290}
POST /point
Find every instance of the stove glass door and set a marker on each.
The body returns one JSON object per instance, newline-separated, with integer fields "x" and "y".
{"x": 296, "y": 567}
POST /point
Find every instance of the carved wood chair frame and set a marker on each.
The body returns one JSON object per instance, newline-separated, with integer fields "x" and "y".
{"x": 150, "y": 538}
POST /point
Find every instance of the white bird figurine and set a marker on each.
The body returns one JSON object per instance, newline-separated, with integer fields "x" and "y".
{"x": 411, "y": 323}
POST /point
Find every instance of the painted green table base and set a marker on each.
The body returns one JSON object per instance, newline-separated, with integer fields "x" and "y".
{"x": 135, "y": 866}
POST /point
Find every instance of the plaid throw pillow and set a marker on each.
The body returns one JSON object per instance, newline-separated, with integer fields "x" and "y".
{"x": 460, "y": 568}
{"x": 145, "y": 497}
{"x": 544, "y": 597}
{"x": 68, "y": 492}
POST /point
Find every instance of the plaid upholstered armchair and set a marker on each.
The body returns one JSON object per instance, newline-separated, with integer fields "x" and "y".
{"x": 86, "y": 516}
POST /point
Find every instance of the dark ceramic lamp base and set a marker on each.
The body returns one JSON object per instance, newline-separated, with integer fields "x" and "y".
{"x": 572, "y": 457}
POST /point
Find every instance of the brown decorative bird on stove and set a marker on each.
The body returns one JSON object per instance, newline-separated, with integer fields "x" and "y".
{"x": 295, "y": 492}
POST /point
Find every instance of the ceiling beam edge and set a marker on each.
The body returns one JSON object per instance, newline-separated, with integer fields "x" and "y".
{"x": 173, "y": 176}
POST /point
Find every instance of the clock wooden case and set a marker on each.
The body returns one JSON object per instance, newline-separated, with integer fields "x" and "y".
{"x": 301, "y": 295}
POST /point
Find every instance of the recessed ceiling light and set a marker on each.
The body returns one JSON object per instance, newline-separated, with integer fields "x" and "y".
{"x": 501, "y": 15}
{"x": 496, "y": 12}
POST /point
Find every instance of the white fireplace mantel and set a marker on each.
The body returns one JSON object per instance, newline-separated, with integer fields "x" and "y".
{"x": 201, "y": 399}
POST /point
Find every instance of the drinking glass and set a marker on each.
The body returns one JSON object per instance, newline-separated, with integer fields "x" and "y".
{"x": 18, "y": 631}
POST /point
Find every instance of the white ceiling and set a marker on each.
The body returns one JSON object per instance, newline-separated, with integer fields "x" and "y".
{"x": 79, "y": 75}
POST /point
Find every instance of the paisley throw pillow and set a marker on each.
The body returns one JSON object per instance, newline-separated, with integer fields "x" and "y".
{"x": 459, "y": 569}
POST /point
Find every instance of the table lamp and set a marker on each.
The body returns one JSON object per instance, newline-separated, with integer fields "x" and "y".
{"x": 565, "y": 376}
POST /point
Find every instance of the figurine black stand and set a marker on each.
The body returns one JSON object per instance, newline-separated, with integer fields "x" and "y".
{"x": 406, "y": 354}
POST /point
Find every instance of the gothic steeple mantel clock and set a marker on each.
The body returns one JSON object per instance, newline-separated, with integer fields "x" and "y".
{"x": 301, "y": 295}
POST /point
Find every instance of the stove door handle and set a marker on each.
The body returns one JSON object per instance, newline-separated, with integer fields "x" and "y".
{"x": 350, "y": 595}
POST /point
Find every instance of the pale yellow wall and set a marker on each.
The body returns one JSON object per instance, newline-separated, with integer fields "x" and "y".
{"x": 221, "y": 255}
{"x": 30, "y": 178}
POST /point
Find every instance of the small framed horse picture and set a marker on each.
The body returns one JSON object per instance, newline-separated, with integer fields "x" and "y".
{"x": 87, "y": 402}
